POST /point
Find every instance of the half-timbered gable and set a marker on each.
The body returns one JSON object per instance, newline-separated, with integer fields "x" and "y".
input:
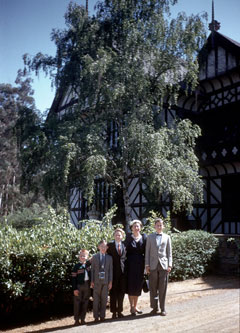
{"x": 215, "y": 107}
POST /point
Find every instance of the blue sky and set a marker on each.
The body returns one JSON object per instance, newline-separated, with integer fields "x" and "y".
{"x": 26, "y": 25}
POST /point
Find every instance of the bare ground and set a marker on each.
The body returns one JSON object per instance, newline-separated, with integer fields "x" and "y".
{"x": 209, "y": 304}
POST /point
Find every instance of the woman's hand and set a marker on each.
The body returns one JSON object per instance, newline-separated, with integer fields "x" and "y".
{"x": 76, "y": 292}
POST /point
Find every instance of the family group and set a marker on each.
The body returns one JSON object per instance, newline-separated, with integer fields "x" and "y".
{"x": 119, "y": 268}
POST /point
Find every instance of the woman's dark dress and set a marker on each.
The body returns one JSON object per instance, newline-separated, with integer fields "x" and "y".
{"x": 135, "y": 264}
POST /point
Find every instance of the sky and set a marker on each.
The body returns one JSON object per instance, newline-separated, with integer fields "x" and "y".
{"x": 26, "y": 26}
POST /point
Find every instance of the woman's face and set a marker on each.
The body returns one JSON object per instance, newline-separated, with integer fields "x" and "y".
{"x": 136, "y": 228}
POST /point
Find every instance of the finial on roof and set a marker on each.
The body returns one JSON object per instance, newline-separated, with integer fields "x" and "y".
{"x": 214, "y": 25}
{"x": 87, "y": 6}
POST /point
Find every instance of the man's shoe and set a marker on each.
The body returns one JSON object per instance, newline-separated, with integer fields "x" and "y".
{"x": 154, "y": 312}
{"x": 96, "y": 320}
{"x": 120, "y": 315}
{"x": 163, "y": 313}
{"x": 83, "y": 322}
{"x": 102, "y": 319}
{"x": 114, "y": 316}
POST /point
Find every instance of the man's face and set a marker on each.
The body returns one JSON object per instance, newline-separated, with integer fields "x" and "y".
{"x": 118, "y": 236}
{"x": 159, "y": 226}
{"x": 83, "y": 257}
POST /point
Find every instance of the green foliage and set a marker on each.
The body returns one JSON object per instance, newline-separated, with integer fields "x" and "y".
{"x": 12, "y": 101}
{"x": 26, "y": 217}
{"x": 120, "y": 65}
{"x": 192, "y": 252}
{"x": 149, "y": 226}
{"x": 36, "y": 262}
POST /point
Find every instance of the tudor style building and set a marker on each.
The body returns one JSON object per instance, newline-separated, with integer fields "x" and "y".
{"x": 215, "y": 107}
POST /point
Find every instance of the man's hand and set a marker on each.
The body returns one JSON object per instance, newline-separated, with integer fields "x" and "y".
{"x": 169, "y": 269}
{"x": 147, "y": 269}
{"x": 92, "y": 285}
{"x": 110, "y": 286}
{"x": 76, "y": 292}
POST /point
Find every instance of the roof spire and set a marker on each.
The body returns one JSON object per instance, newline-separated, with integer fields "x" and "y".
{"x": 214, "y": 25}
{"x": 87, "y": 6}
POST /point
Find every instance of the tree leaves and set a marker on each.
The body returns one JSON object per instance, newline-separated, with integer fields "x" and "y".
{"x": 119, "y": 67}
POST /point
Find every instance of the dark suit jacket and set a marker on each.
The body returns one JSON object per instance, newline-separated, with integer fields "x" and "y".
{"x": 118, "y": 261}
{"x": 78, "y": 273}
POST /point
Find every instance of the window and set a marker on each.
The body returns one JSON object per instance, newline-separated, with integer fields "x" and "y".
{"x": 231, "y": 198}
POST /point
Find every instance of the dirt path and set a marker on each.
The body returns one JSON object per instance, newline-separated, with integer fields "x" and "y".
{"x": 201, "y": 305}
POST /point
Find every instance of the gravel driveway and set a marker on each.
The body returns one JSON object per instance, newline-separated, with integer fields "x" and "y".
{"x": 208, "y": 304}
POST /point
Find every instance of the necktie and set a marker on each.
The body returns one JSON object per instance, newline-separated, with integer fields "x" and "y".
{"x": 102, "y": 260}
{"x": 119, "y": 249}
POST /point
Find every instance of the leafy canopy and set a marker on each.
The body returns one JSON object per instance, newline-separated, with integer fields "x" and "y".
{"x": 122, "y": 67}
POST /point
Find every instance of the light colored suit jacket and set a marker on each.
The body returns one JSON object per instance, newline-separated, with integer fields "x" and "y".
{"x": 155, "y": 254}
{"x": 95, "y": 269}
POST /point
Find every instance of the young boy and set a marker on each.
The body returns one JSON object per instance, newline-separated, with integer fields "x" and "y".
{"x": 81, "y": 277}
{"x": 101, "y": 280}
{"x": 117, "y": 250}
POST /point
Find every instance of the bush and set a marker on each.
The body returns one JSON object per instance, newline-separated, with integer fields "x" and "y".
{"x": 36, "y": 262}
{"x": 192, "y": 253}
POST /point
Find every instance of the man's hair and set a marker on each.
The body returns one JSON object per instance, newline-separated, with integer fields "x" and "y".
{"x": 158, "y": 219}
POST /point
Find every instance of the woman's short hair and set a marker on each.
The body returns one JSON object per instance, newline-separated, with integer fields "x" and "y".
{"x": 131, "y": 224}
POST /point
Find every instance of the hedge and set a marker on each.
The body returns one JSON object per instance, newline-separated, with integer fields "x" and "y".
{"x": 36, "y": 263}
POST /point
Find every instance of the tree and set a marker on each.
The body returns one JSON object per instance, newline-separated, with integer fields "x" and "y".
{"x": 14, "y": 103}
{"x": 122, "y": 65}
{"x": 12, "y": 100}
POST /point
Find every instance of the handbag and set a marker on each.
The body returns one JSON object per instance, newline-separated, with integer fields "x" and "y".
{"x": 145, "y": 286}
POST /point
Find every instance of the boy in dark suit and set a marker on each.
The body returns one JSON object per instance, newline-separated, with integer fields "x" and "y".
{"x": 116, "y": 249}
{"x": 81, "y": 287}
{"x": 101, "y": 280}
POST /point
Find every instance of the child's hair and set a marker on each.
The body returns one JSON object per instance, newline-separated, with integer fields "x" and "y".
{"x": 120, "y": 230}
{"x": 83, "y": 250}
{"x": 102, "y": 242}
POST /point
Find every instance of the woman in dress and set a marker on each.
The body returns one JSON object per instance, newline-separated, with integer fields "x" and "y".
{"x": 135, "y": 245}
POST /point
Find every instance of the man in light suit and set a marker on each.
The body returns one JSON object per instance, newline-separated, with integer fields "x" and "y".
{"x": 101, "y": 280}
{"x": 158, "y": 262}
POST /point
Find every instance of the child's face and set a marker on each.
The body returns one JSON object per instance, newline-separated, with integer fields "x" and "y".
{"x": 83, "y": 257}
{"x": 118, "y": 236}
{"x": 102, "y": 248}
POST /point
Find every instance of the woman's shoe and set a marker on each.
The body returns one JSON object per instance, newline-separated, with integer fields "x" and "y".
{"x": 133, "y": 311}
{"x": 139, "y": 311}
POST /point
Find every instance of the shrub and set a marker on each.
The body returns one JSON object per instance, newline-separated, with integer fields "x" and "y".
{"x": 36, "y": 262}
{"x": 192, "y": 253}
